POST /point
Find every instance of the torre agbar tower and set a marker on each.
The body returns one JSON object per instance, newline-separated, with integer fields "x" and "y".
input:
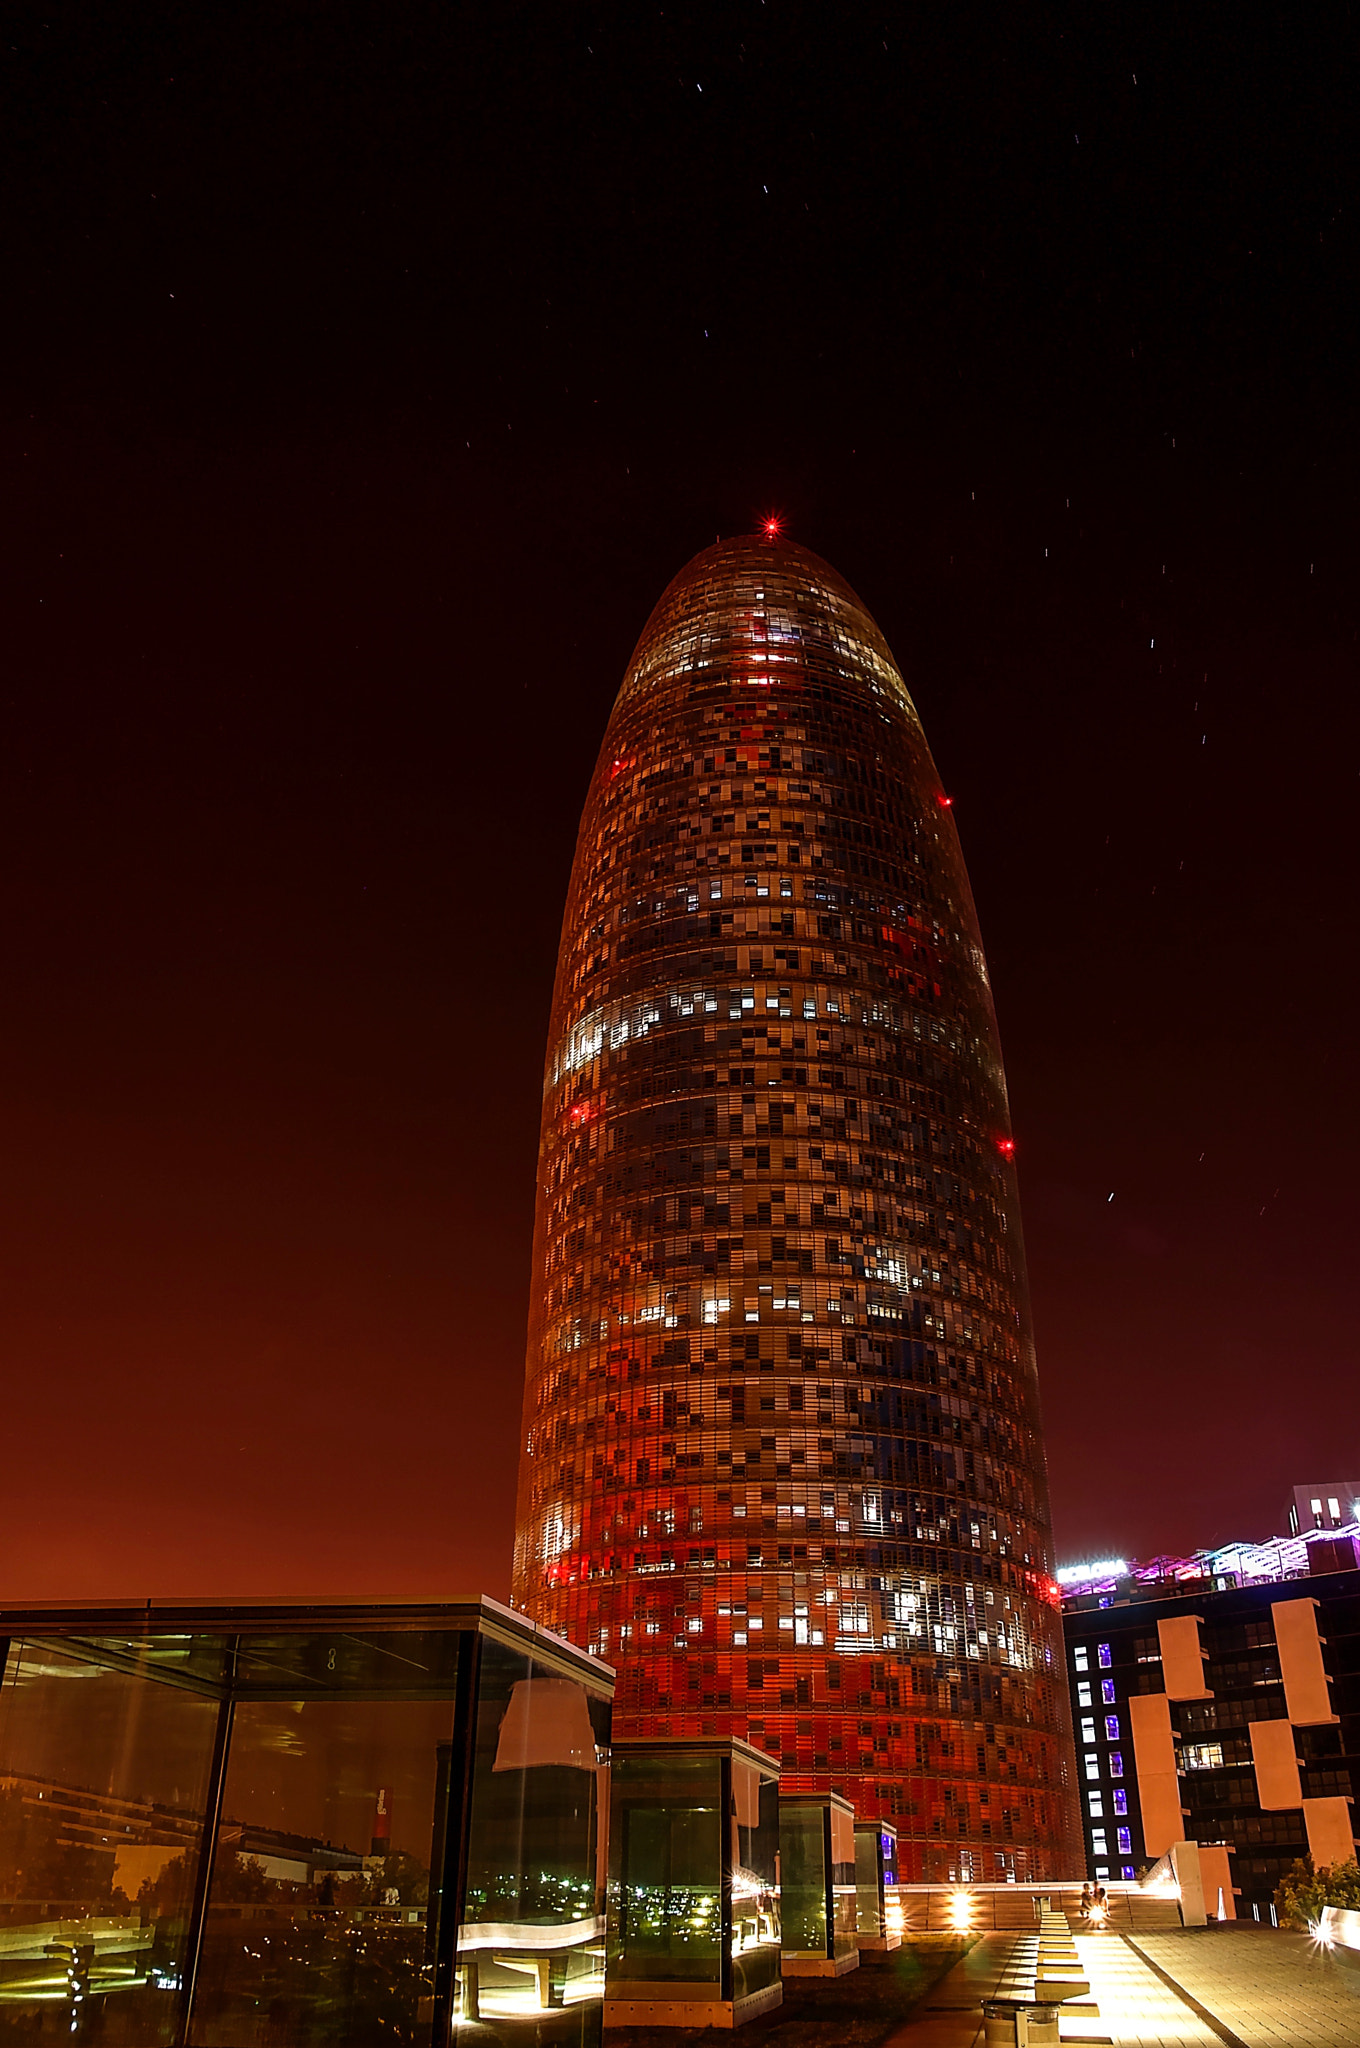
{"x": 782, "y": 1461}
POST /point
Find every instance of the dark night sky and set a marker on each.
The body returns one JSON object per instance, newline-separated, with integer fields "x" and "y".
{"x": 367, "y": 372}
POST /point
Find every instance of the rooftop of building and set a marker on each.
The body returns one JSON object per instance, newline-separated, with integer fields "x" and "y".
{"x": 1105, "y": 1581}
{"x": 220, "y": 1643}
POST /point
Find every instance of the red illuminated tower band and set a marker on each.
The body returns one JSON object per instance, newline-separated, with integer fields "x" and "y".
{"x": 782, "y": 1460}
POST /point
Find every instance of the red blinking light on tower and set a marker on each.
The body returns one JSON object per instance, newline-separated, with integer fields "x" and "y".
{"x": 1006, "y": 1147}
{"x": 771, "y": 528}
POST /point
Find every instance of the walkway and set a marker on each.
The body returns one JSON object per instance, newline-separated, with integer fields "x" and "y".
{"x": 952, "y": 2015}
{"x": 1234, "y": 1986}
{"x": 1268, "y": 1989}
{"x": 1137, "y": 2010}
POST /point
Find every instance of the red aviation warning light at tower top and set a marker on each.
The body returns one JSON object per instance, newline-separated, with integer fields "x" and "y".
{"x": 782, "y": 1461}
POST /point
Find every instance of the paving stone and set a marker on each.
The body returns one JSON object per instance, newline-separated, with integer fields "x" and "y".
{"x": 1264, "y": 1988}
{"x": 1270, "y": 1988}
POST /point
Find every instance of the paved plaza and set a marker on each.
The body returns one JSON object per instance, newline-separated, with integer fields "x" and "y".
{"x": 1267, "y": 1989}
{"x": 1233, "y": 1986}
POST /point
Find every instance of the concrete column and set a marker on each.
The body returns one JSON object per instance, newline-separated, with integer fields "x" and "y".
{"x": 1277, "y": 1766}
{"x": 1305, "y": 1677}
{"x": 1331, "y": 1835}
{"x": 1159, "y": 1785}
{"x": 1185, "y": 1862}
{"x": 1182, "y": 1658}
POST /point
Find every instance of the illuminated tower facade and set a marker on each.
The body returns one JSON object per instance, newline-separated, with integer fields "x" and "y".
{"x": 782, "y": 1461}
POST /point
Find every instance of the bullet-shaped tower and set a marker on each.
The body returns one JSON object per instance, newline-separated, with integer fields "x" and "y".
{"x": 782, "y": 1460}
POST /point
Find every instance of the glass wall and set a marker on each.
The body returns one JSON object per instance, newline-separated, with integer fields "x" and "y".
{"x": 315, "y": 1919}
{"x": 804, "y": 1900}
{"x": 817, "y": 1880}
{"x": 287, "y": 1837}
{"x": 869, "y": 1922}
{"x": 103, "y": 1786}
{"x": 666, "y": 1876}
{"x": 693, "y": 1879}
{"x": 843, "y": 1943}
{"x": 755, "y": 1937}
{"x": 532, "y": 1940}
{"x": 878, "y": 1916}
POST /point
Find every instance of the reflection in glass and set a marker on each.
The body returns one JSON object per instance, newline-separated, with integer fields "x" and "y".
{"x": 277, "y": 1836}
{"x": 103, "y": 1775}
{"x": 314, "y": 1918}
{"x": 531, "y": 1942}
{"x": 693, "y": 1882}
{"x": 817, "y": 1885}
{"x": 755, "y": 1938}
{"x": 878, "y": 1910}
{"x": 670, "y": 1871}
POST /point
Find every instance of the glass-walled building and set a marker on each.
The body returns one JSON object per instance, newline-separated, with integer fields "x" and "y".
{"x": 878, "y": 1909}
{"x": 694, "y": 1926}
{"x": 817, "y": 1886}
{"x": 783, "y": 1459}
{"x": 357, "y": 1824}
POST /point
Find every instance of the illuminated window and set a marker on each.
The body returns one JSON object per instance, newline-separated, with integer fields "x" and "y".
{"x": 1103, "y": 1656}
{"x": 1079, "y": 1659}
{"x": 1112, "y": 1727}
{"x": 1201, "y": 1756}
{"x": 1107, "y": 1691}
{"x": 1124, "y": 1841}
{"x": 1116, "y": 1764}
{"x": 1098, "y": 1847}
{"x": 1095, "y": 1805}
{"x": 1092, "y": 1765}
{"x": 1121, "y": 1800}
{"x": 1084, "y": 1693}
{"x": 1088, "y": 1730}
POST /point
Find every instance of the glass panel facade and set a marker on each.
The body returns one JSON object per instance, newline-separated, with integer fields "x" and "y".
{"x": 868, "y": 1892}
{"x": 805, "y": 1888}
{"x": 320, "y": 1883}
{"x": 783, "y": 1458}
{"x": 693, "y": 1875}
{"x": 876, "y": 1884}
{"x": 843, "y": 1879}
{"x": 666, "y": 1879}
{"x": 327, "y": 1828}
{"x": 531, "y": 1940}
{"x": 103, "y": 1787}
{"x": 818, "y": 1879}
{"x": 755, "y": 1941}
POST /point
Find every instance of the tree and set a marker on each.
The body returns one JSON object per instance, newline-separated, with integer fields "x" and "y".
{"x": 1303, "y": 1891}
{"x": 400, "y": 1872}
{"x": 38, "y": 1863}
{"x": 240, "y": 1880}
{"x": 171, "y": 1888}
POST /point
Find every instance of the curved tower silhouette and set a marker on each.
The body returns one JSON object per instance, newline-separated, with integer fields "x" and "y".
{"x": 782, "y": 1460}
